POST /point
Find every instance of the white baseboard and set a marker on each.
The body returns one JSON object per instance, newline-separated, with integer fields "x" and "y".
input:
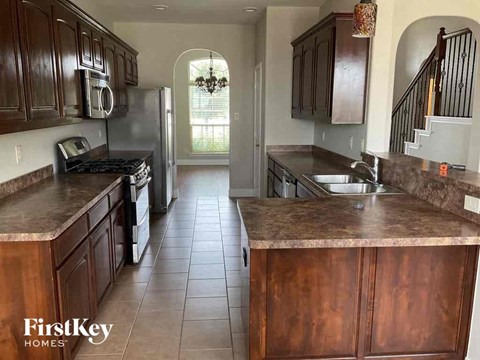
{"x": 241, "y": 193}
{"x": 205, "y": 162}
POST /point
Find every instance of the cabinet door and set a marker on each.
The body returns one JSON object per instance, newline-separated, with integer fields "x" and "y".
{"x": 121, "y": 86}
{"x": 135, "y": 71}
{"x": 100, "y": 244}
{"x": 323, "y": 72}
{"x": 129, "y": 67}
{"x": 97, "y": 46}
{"x": 12, "y": 100}
{"x": 350, "y": 75}
{"x": 119, "y": 235}
{"x": 110, "y": 60}
{"x": 36, "y": 30}
{"x": 75, "y": 291}
{"x": 308, "y": 58}
{"x": 66, "y": 40}
{"x": 86, "y": 45}
{"x": 296, "y": 81}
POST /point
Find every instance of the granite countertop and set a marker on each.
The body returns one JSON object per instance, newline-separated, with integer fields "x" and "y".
{"x": 332, "y": 222}
{"x": 44, "y": 210}
{"x": 307, "y": 162}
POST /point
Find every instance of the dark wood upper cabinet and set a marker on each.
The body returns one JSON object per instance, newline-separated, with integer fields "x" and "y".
{"x": 100, "y": 243}
{"x": 331, "y": 70}
{"x": 66, "y": 40}
{"x": 323, "y": 74}
{"x": 128, "y": 67}
{"x": 97, "y": 46}
{"x": 43, "y": 45}
{"x": 308, "y": 58}
{"x": 121, "y": 86}
{"x": 38, "y": 47}
{"x": 110, "y": 61}
{"x": 296, "y": 83}
{"x": 12, "y": 100}
{"x": 86, "y": 45}
{"x": 135, "y": 71}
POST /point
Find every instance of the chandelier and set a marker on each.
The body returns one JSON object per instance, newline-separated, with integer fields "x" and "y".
{"x": 211, "y": 84}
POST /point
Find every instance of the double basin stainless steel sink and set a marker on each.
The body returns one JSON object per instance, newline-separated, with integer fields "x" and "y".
{"x": 349, "y": 185}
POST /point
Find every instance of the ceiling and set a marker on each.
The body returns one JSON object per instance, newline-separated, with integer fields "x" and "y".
{"x": 189, "y": 11}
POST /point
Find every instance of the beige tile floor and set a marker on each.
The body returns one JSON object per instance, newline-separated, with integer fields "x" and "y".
{"x": 183, "y": 300}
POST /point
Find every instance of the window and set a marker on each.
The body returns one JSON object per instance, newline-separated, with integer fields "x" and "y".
{"x": 209, "y": 114}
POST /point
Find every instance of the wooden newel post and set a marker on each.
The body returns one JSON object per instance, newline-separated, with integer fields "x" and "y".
{"x": 439, "y": 58}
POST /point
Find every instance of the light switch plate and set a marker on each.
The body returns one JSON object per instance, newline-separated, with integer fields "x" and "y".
{"x": 472, "y": 204}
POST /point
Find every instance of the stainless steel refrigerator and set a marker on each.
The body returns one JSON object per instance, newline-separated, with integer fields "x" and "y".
{"x": 149, "y": 126}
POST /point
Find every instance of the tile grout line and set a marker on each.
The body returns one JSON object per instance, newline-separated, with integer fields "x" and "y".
{"x": 148, "y": 282}
{"x": 187, "y": 285}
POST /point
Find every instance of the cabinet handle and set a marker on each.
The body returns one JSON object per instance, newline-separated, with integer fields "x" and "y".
{"x": 245, "y": 257}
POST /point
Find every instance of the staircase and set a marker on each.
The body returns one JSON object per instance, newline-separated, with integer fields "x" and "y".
{"x": 429, "y": 143}
{"x": 443, "y": 87}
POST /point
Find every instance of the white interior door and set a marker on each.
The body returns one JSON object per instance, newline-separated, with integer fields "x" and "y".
{"x": 257, "y": 172}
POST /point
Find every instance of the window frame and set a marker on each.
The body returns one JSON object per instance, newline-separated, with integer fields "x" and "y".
{"x": 192, "y": 83}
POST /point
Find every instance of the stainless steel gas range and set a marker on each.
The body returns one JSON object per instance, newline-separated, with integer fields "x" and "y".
{"x": 75, "y": 157}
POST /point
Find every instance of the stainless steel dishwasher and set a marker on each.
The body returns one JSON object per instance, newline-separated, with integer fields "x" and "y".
{"x": 289, "y": 188}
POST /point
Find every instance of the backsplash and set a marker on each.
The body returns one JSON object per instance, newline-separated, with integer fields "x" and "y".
{"x": 38, "y": 146}
{"x": 21, "y": 182}
{"x": 421, "y": 178}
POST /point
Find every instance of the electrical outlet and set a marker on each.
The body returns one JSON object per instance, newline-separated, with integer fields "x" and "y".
{"x": 350, "y": 143}
{"x": 18, "y": 154}
{"x": 472, "y": 204}
{"x": 323, "y": 136}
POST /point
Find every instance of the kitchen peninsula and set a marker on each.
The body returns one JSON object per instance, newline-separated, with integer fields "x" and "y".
{"x": 327, "y": 278}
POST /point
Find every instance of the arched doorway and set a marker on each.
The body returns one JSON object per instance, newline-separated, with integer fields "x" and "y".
{"x": 202, "y": 126}
{"x": 434, "y": 90}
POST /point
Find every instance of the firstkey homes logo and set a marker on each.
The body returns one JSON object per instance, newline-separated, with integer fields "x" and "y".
{"x": 96, "y": 334}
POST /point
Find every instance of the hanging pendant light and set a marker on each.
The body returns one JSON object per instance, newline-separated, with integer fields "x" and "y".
{"x": 211, "y": 84}
{"x": 364, "y": 19}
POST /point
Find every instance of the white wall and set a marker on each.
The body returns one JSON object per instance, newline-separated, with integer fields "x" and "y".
{"x": 159, "y": 46}
{"x": 182, "y": 111}
{"x": 416, "y": 44}
{"x": 283, "y": 25}
{"x": 38, "y": 146}
{"x": 431, "y": 143}
{"x": 99, "y": 13}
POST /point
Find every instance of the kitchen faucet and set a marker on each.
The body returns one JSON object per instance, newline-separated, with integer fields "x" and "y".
{"x": 373, "y": 170}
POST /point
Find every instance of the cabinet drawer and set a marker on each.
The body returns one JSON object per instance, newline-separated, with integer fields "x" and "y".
{"x": 98, "y": 212}
{"x": 69, "y": 240}
{"x": 115, "y": 196}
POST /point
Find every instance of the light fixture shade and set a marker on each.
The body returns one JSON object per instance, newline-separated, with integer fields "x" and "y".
{"x": 364, "y": 19}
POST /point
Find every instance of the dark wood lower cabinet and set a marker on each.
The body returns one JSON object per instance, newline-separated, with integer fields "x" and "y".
{"x": 119, "y": 236}
{"x": 101, "y": 248}
{"x": 75, "y": 291}
{"x": 58, "y": 280}
{"x": 359, "y": 303}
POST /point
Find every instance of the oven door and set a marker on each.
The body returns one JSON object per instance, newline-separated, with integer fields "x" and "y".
{"x": 141, "y": 221}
